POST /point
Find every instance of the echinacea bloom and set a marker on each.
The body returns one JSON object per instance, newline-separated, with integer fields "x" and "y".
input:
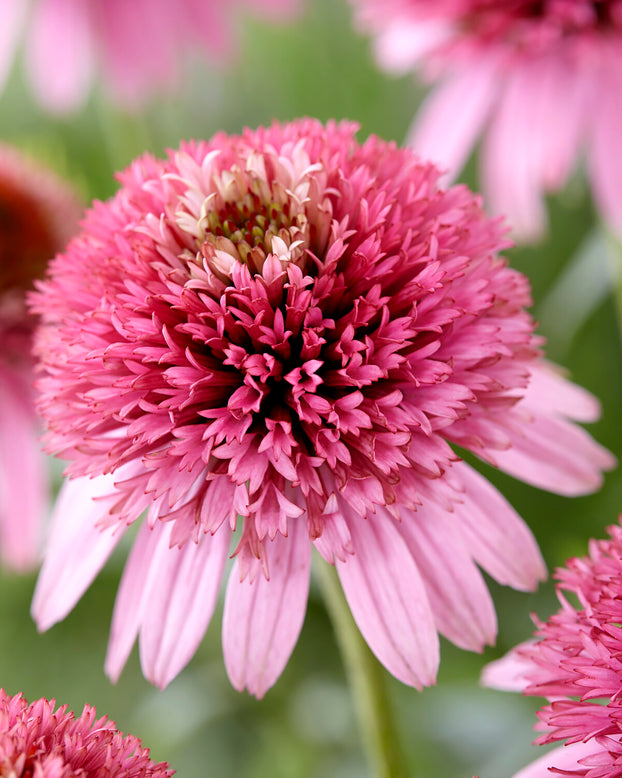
{"x": 138, "y": 46}
{"x": 38, "y": 741}
{"x": 280, "y": 334}
{"x": 575, "y": 663}
{"x": 38, "y": 215}
{"x": 540, "y": 82}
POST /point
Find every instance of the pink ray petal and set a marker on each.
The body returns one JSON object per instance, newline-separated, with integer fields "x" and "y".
{"x": 449, "y": 121}
{"x": 77, "y": 549}
{"x": 495, "y": 534}
{"x": 144, "y": 561}
{"x": 23, "y": 476}
{"x": 556, "y": 455}
{"x": 182, "y": 597}
{"x": 563, "y": 758}
{"x": 60, "y": 33}
{"x": 462, "y": 606}
{"x": 388, "y": 600}
{"x": 549, "y": 392}
{"x": 263, "y": 618}
{"x": 509, "y": 674}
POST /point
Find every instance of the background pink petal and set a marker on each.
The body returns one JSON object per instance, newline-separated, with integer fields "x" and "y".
{"x": 448, "y": 123}
{"x": 12, "y": 14}
{"x": 23, "y": 475}
{"x": 509, "y": 179}
{"x": 60, "y": 54}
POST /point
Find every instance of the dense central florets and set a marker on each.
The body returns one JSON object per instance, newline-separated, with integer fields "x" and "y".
{"x": 260, "y": 321}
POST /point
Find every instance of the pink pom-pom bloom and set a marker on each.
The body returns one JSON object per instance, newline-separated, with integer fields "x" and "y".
{"x": 38, "y": 214}
{"x": 138, "y": 46}
{"x": 541, "y": 81}
{"x": 575, "y": 662}
{"x": 280, "y": 334}
{"x": 36, "y": 740}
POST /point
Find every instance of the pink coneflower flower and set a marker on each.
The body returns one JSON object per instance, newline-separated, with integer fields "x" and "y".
{"x": 138, "y": 46}
{"x": 575, "y": 663}
{"x": 540, "y": 81}
{"x": 38, "y": 214}
{"x": 36, "y": 740}
{"x": 281, "y": 334}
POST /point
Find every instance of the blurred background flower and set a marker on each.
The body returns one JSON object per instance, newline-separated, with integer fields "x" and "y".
{"x": 38, "y": 213}
{"x": 538, "y": 82}
{"x": 135, "y": 48}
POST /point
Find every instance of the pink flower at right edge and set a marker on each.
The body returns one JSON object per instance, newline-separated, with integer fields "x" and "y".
{"x": 540, "y": 83}
{"x": 38, "y": 741}
{"x": 284, "y": 332}
{"x": 575, "y": 663}
{"x": 137, "y": 47}
{"x": 39, "y": 212}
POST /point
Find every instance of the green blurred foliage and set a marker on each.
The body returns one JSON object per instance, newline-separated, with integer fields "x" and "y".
{"x": 305, "y": 727}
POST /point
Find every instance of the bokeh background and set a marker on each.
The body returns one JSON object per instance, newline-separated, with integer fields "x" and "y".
{"x": 305, "y": 727}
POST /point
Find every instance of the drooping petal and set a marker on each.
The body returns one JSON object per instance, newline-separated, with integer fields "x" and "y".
{"x": 180, "y": 603}
{"x": 263, "y": 616}
{"x": 388, "y": 600}
{"x": 462, "y": 606}
{"x": 496, "y": 536}
{"x": 23, "y": 476}
{"x": 77, "y": 549}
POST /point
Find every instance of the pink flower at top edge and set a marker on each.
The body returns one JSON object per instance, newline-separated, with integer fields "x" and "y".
{"x": 138, "y": 46}
{"x": 36, "y": 740}
{"x": 38, "y": 215}
{"x": 283, "y": 333}
{"x": 575, "y": 663}
{"x": 539, "y": 82}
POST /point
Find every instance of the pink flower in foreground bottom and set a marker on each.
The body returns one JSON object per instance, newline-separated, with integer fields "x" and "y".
{"x": 36, "y": 740}
{"x": 576, "y": 664}
{"x": 541, "y": 81}
{"x": 38, "y": 214}
{"x": 281, "y": 334}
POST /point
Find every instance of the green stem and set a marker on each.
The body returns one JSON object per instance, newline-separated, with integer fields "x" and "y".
{"x": 367, "y": 682}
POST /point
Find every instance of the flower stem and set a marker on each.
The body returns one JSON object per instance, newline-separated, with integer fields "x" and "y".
{"x": 367, "y": 682}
